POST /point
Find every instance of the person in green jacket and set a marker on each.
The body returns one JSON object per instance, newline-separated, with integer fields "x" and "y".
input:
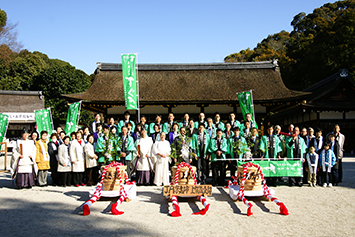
{"x": 218, "y": 148}
{"x": 237, "y": 147}
{"x": 105, "y": 147}
{"x": 125, "y": 149}
{"x": 271, "y": 147}
{"x": 125, "y": 122}
{"x": 199, "y": 145}
{"x": 217, "y": 122}
{"x": 296, "y": 148}
{"x": 168, "y": 126}
{"x": 158, "y": 122}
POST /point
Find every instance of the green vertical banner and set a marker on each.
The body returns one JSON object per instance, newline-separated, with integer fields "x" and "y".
{"x": 129, "y": 73}
{"x": 4, "y": 122}
{"x": 246, "y": 104}
{"x": 44, "y": 120}
{"x": 72, "y": 118}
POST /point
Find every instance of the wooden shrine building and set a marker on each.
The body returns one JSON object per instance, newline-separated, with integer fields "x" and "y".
{"x": 191, "y": 88}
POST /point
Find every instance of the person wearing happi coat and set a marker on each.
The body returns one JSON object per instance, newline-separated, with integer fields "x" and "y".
{"x": 271, "y": 148}
{"x": 104, "y": 148}
{"x": 201, "y": 119}
{"x": 124, "y": 123}
{"x": 233, "y": 122}
{"x": 168, "y": 126}
{"x": 296, "y": 148}
{"x": 157, "y": 122}
{"x": 246, "y": 132}
{"x": 126, "y": 149}
{"x": 282, "y": 139}
{"x": 174, "y": 134}
{"x": 210, "y": 129}
{"x": 217, "y": 122}
{"x": 143, "y": 164}
{"x": 248, "y": 119}
{"x": 228, "y": 133}
{"x": 64, "y": 163}
{"x": 218, "y": 148}
{"x": 23, "y": 162}
{"x": 237, "y": 147}
{"x": 77, "y": 156}
{"x": 200, "y": 142}
{"x": 143, "y": 122}
{"x": 42, "y": 159}
{"x": 185, "y": 122}
{"x": 53, "y": 157}
{"x": 161, "y": 155}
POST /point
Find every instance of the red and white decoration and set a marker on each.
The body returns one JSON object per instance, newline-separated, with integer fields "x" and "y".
{"x": 266, "y": 190}
{"x": 98, "y": 192}
{"x": 174, "y": 199}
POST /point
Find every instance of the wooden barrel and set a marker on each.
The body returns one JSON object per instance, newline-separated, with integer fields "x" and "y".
{"x": 111, "y": 181}
{"x": 184, "y": 175}
{"x": 252, "y": 178}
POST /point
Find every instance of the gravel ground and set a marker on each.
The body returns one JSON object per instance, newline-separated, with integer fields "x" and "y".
{"x": 56, "y": 211}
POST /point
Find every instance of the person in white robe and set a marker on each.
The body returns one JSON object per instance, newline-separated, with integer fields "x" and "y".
{"x": 143, "y": 160}
{"x": 23, "y": 162}
{"x": 77, "y": 156}
{"x": 160, "y": 153}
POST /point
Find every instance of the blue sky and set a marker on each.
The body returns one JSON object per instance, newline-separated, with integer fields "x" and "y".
{"x": 85, "y": 32}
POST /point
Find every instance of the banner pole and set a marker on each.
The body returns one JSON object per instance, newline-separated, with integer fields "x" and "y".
{"x": 138, "y": 107}
{"x": 77, "y": 119}
{"x": 252, "y": 99}
{"x": 50, "y": 114}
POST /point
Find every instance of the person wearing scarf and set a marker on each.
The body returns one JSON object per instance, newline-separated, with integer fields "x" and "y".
{"x": 77, "y": 156}
{"x": 22, "y": 162}
{"x": 64, "y": 163}
{"x": 42, "y": 159}
{"x": 218, "y": 149}
{"x": 53, "y": 157}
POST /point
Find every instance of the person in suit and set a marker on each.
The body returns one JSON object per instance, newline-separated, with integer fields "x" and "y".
{"x": 210, "y": 129}
{"x": 218, "y": 148}
{"x": 340, "y": 138}
{"x": 200, "y": 143}
{"x": 126, "y": 149}
{"x": 191, "y": 130}
{"x": 185, "y": 121}
{"x": 53, "y": 157}
{"x": 296, "y": 148}
{"x": 253, "y": 142}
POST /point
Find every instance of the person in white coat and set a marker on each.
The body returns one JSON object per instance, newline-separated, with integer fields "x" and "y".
{"x": 91, "y": 162}
{"x": 161, "y": 152}
{"x": 77, "y": 156}
{"x": 143, "y": 162}
{"x": 64, "y": 163}
{"x": 23, "y": 162}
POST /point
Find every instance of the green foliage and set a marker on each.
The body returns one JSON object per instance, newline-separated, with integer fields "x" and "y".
{"x": 320, "y": 44}
{"x": 3, "y": 18}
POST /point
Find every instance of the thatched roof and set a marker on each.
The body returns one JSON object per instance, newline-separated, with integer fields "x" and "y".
{"x": 20, "y": 101}
{"x": 190, "y": 83}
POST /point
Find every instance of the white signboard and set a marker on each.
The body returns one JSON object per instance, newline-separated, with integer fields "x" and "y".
{"x": 21, "y": 116}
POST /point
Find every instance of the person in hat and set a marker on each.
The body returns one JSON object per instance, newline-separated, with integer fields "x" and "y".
{"x": 23, "y": 162}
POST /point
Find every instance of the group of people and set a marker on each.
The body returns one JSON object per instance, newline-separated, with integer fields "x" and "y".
{"x": 150, "y": 150}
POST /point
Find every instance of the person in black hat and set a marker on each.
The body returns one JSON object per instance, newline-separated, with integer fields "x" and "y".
{"x": 23, "y": 166}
